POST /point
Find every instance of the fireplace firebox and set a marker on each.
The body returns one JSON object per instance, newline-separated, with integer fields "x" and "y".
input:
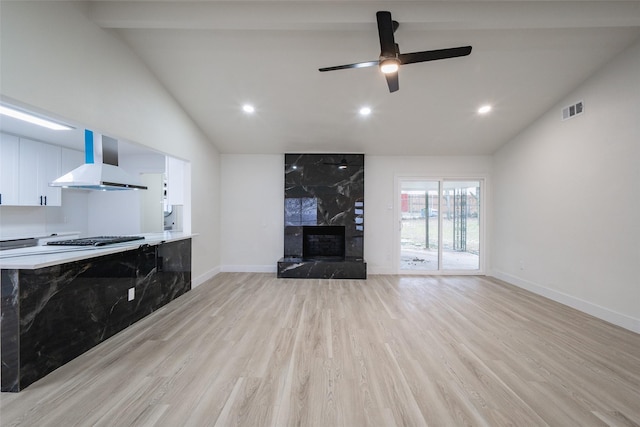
{"x": 323, "y": 242}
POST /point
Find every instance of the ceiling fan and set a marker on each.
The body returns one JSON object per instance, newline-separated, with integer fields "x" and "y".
{"x": 390, "y": 56}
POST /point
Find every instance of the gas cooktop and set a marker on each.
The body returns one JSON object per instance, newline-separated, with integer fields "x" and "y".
{"x": 95, "y": 241}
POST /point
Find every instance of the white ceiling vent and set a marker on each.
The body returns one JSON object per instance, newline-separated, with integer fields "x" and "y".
{"x": 572, "y": 110}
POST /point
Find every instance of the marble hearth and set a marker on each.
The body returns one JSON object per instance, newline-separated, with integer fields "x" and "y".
{"x": 324, "y": 217}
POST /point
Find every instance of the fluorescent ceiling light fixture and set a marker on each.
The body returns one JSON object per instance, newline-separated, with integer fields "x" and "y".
{"x": 484, "y": 109}
{"x": 248, "y": 108}
{"x": 365, "y": 111}
{"x": 21, "y": 115}
{"x": 389, "y": 66}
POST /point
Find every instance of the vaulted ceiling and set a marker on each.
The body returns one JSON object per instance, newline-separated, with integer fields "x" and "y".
{"x": 214, "y": 56}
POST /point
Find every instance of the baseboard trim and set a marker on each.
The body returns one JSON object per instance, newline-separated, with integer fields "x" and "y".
{"x": 250, "y": 268}
{"x": 385, "y": 271}
{"x": 595, "y": 310}
{"x": 204, "y": 277}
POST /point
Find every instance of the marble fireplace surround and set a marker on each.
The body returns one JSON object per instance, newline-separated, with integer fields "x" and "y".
{"x": 324, "y": 214}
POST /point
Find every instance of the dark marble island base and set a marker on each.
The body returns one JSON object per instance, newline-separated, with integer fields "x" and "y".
{"x": 53, "y": 314}
{"x": 301, "y": 268}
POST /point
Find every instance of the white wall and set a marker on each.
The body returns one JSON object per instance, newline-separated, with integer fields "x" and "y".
{"x": 567, "y": 199}
{"x": 252, "y": 212}
{"x": 55, "y": 59}
{"x": 253, "y": 205}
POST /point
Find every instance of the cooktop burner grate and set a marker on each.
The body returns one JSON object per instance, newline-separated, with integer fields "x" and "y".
{"x": 95, "y": 241}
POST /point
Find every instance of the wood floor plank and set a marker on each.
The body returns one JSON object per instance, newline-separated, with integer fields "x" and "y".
{"x": 248, "y": 349}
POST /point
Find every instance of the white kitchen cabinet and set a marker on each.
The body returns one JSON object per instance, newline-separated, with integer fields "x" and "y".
{"x": 175, "y": 181}
{"x": 51, "y": 171}
{"x": 39, "y": 165}
{"x": 151, "y": 207}
{"x": 9, "y": 171}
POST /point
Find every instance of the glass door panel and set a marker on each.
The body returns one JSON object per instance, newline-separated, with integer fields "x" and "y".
{"x": 461, "y": 225}
{"x": 439, "y": 225}
{"x": 419, "y": 207}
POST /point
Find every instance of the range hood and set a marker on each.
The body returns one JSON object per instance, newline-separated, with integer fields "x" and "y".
{"x": 100, "y": 171}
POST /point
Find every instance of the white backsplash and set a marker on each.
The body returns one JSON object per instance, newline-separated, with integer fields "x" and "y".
{"x": 26, "y": 221}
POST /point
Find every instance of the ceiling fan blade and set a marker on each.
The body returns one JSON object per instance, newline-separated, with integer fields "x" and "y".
{"x": 385, "y": 32}
{"x": 392, "y": 81}
{"x": 433, "y": 55}
{"x": 347, "y": 66}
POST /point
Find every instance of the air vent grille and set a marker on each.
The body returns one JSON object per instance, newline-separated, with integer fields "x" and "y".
{"x": 573, "y": 110}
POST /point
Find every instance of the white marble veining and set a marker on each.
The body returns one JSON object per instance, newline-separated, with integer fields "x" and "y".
{"x": 44, "y": 256}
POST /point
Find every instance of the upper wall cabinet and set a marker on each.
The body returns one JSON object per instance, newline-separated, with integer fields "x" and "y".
{"x": 27, "y": 167}
{"x": 9, "y": 155}
{"x": 39, "y": 165}
{"x": 175, "y": 181}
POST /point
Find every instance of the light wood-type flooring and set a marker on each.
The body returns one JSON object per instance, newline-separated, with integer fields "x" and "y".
{"x": 248, "y": 349}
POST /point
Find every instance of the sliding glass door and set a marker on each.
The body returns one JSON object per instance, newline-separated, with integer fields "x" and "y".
{"x": 420, "y": 225}
{"x": 440, "y": 225}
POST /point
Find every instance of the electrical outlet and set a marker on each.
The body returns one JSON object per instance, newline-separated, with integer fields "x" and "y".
{"x": 521, "y": 265}
{"x": 132, "y": 294}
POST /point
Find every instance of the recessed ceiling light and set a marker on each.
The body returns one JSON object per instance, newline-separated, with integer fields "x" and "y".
{"x": 484, "y": 109}
{"x": 248, "y": 108}
{"x": 365, "y": 111}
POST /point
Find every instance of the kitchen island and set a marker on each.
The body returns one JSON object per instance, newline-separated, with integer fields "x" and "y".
{"x": 58, "y": 302}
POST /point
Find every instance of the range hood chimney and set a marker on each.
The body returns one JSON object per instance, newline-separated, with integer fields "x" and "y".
{"x": 100, "y": 171}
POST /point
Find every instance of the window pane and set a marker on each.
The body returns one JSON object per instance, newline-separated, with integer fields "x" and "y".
{"x": 461, "y": 225}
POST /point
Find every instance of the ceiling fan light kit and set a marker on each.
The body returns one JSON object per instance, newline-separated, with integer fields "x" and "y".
{"x": 390, "y": 56}
{"x": 389, "y": 65}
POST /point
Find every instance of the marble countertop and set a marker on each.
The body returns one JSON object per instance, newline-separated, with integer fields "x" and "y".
{"x": 37, "y": 236}
{"x": 44, "y": 256}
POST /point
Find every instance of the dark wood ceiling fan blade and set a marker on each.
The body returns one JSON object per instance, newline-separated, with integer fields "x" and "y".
{"x": 392, "y": 81}
{"x": 347, "y": 66}
{"x": 434, "y": 55}
{"x": 385, "y": 32}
